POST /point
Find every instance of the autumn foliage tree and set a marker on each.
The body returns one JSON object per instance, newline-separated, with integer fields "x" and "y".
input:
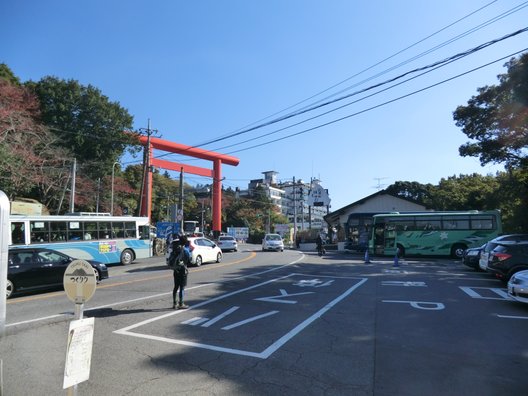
{"x": 30, "y": 163}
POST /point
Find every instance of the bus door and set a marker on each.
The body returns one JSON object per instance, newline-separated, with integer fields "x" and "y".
{"x": 379, "y": 238}
{"x": 18, "y": 233}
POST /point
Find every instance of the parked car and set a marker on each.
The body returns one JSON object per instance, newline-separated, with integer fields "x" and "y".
{"x": 39, "y": 268}
{"x": 518, "y": 286}
{"x": 202, "y": 250}
{"x": 272, "y": 242}
{"x": 484, "y": 255}
{"x": 507, "y": 258}
{"x": 227, "y": 243}
{"x": 472, "y": 256}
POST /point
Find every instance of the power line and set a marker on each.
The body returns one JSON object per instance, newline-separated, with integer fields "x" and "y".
{"x": 246, "y": 129}
{"x": 433, "y": 65}
{"x": 357, "y": 74}
{"x": 381, "y": 104}
{"x": 427, "y": 69}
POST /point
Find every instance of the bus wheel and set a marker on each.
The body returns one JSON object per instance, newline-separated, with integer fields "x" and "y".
{"x": 457, "y": 251}
{"x": 10, "y": 288}
{"x": 127, "y": 256}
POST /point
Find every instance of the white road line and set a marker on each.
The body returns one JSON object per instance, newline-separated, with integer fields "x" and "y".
{"x": 262, "y": 355}
{"x": 512, "y": 317}
{"x": 153, "y": 296}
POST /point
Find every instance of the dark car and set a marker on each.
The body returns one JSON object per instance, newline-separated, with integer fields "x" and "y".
{"x": 507, "y": 258}
{"x": 39, "y": 268}
{"x": 471, "y": 257}
{"x": 485, "y": 254}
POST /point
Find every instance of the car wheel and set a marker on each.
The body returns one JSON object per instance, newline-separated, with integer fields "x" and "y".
{"x": 236, "y": 250}
{"x": 97, "y": 276}
{"x": 10, "y": 288}
{"x": 457, "y": 251}
{"x": 198, "y": 261}
{"x": 127, "y": 256}
{"x": 219, "y": 257}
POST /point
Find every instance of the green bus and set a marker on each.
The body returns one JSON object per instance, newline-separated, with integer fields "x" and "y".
{"x": 432, "y": 233}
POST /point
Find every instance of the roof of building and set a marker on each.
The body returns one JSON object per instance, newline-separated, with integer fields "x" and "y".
{"x": 334, "y": 216}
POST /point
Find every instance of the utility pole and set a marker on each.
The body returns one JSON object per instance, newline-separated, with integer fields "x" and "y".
{"x": 72, "y": 196}
{"x": 294, "y": 212}
{"x": 181, "y": 201}
{"x": 147, "y": 171}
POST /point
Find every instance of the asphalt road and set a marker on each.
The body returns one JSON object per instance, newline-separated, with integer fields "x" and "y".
{"x": 266, "y": 323}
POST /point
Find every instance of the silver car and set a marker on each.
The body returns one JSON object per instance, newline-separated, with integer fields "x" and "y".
{"x": 272, "y": 242}
{"x": 227, "y": 243}
{"x": 518, "y": 286}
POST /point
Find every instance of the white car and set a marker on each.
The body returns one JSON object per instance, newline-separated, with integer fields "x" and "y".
{"x": 203, "y": 251}
{"x": 272, "y": 242}
{"x": 227, "y": 242}
{"x": 518, "y": 286}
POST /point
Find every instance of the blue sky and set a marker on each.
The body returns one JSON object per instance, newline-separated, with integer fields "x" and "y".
{"x": 200, "y": 70}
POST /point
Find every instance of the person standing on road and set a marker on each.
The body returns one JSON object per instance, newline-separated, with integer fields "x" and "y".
{"x": 179, "y": 260}
{"x": 319, "y": 243}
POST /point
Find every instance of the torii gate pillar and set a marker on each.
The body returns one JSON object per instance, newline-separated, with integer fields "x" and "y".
{"x": 217, "y": 196}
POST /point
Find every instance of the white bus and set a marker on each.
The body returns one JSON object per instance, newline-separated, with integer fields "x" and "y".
{"x": 101, "y": 237}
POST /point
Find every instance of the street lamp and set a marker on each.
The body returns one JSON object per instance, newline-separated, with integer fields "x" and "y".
{"x": 112, "y": 195}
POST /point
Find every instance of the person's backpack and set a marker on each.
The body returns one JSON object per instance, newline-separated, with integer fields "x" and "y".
{"x": 176, "y": 258}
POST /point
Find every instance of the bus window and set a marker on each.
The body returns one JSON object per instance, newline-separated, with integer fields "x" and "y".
{"x": 90, "y": 230}
{"x": 17, "y": 233}
{"x": 401, "y": 224}
{"x": 144, "y": 231}
{"x": 482, "y": 223}
{"x": 39, "y": 231}
{"x": 104, "y": 230}
{"x": 58, "y": 231}
{"x": 456, "y": 223}
{"x": 118, "y": 231}
{"x": 130, "y": 229}
{"x": 75, "y": 232}
{"x": 428, "y": 223}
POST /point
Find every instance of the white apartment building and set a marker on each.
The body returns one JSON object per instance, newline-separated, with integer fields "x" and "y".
{"x": 303, "y": 203}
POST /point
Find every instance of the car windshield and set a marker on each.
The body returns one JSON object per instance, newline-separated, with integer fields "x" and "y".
{"x": 273, "y": 237}
{"x": 226, "y": 238}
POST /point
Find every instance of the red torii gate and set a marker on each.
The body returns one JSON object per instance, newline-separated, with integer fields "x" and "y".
{"x": 216, "y": 173}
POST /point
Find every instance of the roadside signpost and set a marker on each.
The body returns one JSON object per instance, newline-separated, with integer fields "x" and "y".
{"x": 79, "y": 283}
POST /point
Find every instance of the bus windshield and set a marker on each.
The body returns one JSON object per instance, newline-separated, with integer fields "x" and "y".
{"x": 108, "y": 239}
{"x": 433, "y": 233}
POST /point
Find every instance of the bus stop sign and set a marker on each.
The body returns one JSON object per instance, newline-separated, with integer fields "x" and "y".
{"x": 79, "y": 281}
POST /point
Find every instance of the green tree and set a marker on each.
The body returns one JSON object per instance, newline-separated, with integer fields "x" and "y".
{"x": 465, "y": 192}
{"x": 414, "y": 191}
{"x": 7, "y": 74}
{"x": 85, "y": 120}
{"x": 497, "y": 119}
{"x": 511, "y": 197}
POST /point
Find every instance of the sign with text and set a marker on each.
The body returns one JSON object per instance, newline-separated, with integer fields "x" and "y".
{"x": 79, "y": 281}
{"x": 78, "y": 352}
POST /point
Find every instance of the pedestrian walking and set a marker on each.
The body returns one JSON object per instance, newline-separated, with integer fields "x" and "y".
{"x": 179, "y": 260}
{"x": 320, "y": 246}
